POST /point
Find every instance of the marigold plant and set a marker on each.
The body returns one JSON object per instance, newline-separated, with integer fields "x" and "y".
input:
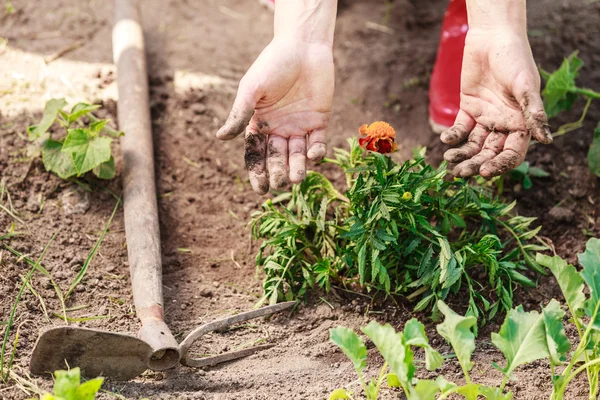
{"x": 397, "y": 228}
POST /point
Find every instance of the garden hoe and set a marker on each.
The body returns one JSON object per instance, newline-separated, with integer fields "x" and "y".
{"x": 115, "y": 355}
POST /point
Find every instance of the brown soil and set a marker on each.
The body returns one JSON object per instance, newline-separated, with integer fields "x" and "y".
{"x": 197, "y": 52}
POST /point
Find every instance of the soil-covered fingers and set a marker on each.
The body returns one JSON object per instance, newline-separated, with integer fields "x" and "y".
{"x": 492, "y": 146}
{"x": 536, "y": 119}
{"x": 515, "y": 149}
{"x": 277, "y": 162}
{"x": 317, "y": 144}
{"x": 297, "y": 151}
{"x": 463, "y": 125}
{"x": 472, "y": 147}
{"x": 255, "y": 156}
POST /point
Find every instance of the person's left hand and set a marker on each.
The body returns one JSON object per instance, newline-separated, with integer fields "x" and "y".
{"x": 500, "y": 104}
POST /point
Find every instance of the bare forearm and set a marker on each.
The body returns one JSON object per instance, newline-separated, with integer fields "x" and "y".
{"x": 310, "y": 20}
{"x": 497, "y": 13}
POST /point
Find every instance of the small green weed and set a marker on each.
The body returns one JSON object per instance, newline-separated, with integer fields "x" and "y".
{"x": 68, "y": 386}
{"x": 561, "y": 93}
{"x": 84, "y": 148}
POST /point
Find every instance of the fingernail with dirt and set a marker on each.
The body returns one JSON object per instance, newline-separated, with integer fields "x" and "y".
{"x": 235, "y": 124}
{"x": 455, "y": 155}
{"x": 254, "y": 157}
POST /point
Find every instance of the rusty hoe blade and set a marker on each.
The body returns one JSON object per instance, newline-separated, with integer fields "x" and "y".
{"x": 97, "y": 353}
{"x": 222, "y": 324}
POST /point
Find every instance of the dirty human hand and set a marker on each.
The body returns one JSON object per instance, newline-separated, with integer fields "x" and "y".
{"x": 500, "y": 105}
{"x": 284, "y": 100}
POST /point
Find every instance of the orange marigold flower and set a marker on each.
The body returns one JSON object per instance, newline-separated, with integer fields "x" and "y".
{"x": 379, "y": 137}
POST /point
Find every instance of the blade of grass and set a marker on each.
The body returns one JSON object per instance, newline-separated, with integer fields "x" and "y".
{"x": 92, "y": 253}
{"x": 80, "y": 319}
{"x": 44, "y": 272}
{"x": 26, "y": 383}
{"x": 13, "y": 311}
{"x": 40, "y": 298}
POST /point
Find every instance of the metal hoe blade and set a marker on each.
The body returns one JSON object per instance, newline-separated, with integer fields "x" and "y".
{"x": 96, "y": 353}
{"x": 221, "y": 324}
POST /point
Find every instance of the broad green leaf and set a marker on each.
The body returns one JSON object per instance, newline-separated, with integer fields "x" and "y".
{"x": 81, "y": 109}
{"x": 559, "y": 93}
{"x": 444, "y": 384}
{"x": 97, "y": 126}
{"x": 66, "y": 383}
{"x": 338, "y": 394}
{"x": 569, "y": 280}
{"x": 538, "y": 172}
{"x": 470, "y": 391}
{"x": 458, "y": 331}
{"x": 558, "y": 343}
{"x": 51, "y": 110}
{"x": 87, "y": 152}
{"x": 352, "y": 346}
{"x": 590, "y": 260}
{"x": 88, "y": 390}
{"x": 494, "y": 393}
{"x": 48, "y": 396}
{"x": 392, "y": 380}
{"x": 594, "y": 153}
{"x": 106, "y": 170}
{"x": 424, "y": 390}
{"x": 414, "y": 335}
{"x": 56, "y": 161}
{"x": 522, "y": 338}
{"x": 393, "y": 350}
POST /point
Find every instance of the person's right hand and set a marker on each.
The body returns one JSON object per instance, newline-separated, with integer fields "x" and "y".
{"x": 283, "y": 105}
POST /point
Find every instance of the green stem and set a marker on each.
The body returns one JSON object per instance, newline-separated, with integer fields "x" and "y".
{"x": 381, "y": 377}
{"x": 578, "y": 351}
{"x": 580, "y": 369}
{"x": 589, "y": 93}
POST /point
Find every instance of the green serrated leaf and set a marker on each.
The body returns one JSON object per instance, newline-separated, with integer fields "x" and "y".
{"x": 458, "y": 331}
{"x": 470, "y": 391}
{"x": 339, "y": 394}
{"x": 590, "y": 260}
{"x": 393, "y": 350}
{"x": 522, "y": 338}
{"x": 425, "y": 389}
{"x": 569, "y": 280}
{"x": 392, "y": 380}
{"x": 352, "y": 346}
{"x": 87, "y": 152}
{"x": 81, "y": 109}
{"x": 414, "y": 335}
{"x": 89, "y": 389}
{"x": 66, "y": 383}
{"x": 556, "y": 339}
{"x": 106, "y": 170}
{"x": 594, "y": 153}
{"x": 494, "y": 393}
{"x": 56, "y": 161}
{"x": 559, "y": 93}
{"x": 51, "y": 110}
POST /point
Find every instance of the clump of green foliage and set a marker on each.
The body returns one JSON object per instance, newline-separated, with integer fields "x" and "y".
{"x": 561, "y": 93}
{"x": 67, "y": 386}
{"x": 85, "y": 147}
{"x": 398, "y": 229}
{"x": 524, "y": 337}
